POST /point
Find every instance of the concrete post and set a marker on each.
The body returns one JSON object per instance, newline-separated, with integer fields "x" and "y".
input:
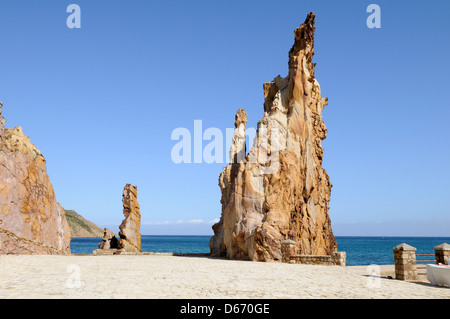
{"x": 288, "y": 249}
{"x": 442, "y": 253}
{"x": 339, "y": 258}
{"x": 405, "y": 262}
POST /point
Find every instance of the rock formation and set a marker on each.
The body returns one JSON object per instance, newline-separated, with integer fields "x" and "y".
{"x": 31, "y": 220}
{"x": 109, "y": 240}
{"x": 130, "y": 237}
{"x": 279, "y": 190}
{"x": 129, "y": 234}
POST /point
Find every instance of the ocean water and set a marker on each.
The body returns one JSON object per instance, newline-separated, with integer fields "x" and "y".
{"x": 378, "y": 250}
{"x": 360, "y": 250}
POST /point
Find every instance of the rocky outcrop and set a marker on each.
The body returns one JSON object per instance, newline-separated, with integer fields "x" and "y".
{"x": 2, "y": 120}
{"x": 31, "y": 220}
{"x": 81, "y": 227}
{"x": 130, "y": 236}
{"x": 279, "y": 190}
{"x": 109, "y": 240}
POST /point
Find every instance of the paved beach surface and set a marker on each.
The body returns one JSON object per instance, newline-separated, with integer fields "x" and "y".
{"x": 156, "y": 276}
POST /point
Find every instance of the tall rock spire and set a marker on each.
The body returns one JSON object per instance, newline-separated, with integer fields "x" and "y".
{"x": 130, "y": 236}
{"x": 280, "y": 191}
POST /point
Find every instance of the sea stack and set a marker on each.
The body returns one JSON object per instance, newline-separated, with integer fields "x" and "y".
{"x": 279, "y": 190}
{"x": 31, "y": 220}
{"x": 130, "y": 236}
{"x": 109, "y": 240}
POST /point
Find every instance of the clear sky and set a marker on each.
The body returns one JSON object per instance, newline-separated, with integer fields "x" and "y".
{"x": 101, "y": 102}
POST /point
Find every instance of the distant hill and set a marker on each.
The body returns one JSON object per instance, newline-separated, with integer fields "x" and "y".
{"x": 80, "y": 227}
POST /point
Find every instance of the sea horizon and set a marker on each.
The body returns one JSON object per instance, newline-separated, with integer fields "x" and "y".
{"x": 360, "y": 250}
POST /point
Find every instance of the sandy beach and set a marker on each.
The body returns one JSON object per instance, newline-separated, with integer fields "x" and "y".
{"x": 168, "y": 277}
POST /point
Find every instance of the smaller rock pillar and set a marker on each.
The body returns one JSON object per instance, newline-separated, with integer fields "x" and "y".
{"x": 288, "y": 249}
{"x": 442, "y": 253}
{"x": 109, "y": 240}
{"x": 405, "y": 262}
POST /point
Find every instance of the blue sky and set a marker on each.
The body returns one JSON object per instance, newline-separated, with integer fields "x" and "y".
{"x": 101, "y": 103}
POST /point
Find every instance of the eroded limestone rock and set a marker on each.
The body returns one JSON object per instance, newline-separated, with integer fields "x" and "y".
{"x": 279, "y": 190}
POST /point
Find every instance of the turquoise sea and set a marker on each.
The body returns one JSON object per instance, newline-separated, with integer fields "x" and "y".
{"x": 360, "y": 250}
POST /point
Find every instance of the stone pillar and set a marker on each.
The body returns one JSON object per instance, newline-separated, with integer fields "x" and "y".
{"x": 288, "y": 249}
{"x": 130, "y": 236}
{"x": 339, "y": 258}
{"x": 442, "y": 253}
{"x": 109, "y": 240}
{"x": 405, "y": 262}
